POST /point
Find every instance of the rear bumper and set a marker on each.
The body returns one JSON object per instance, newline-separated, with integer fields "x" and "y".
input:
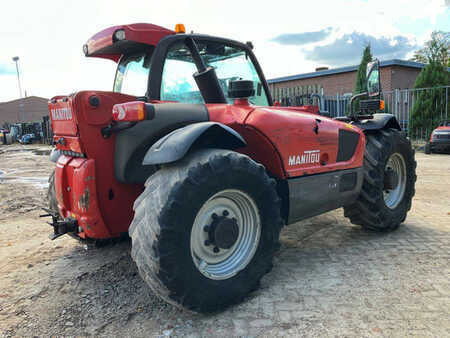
{"x": 76, "y": 191}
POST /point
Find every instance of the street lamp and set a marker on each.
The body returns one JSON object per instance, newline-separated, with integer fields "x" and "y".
{"x": 16, "y": 59}
{"x": 21, "y": 106}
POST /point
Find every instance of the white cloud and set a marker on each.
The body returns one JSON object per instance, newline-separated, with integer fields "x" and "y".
{"x": 48, "y": 35}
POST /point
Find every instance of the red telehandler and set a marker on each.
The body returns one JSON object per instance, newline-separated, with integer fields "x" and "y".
{"x": 190, "y": 157}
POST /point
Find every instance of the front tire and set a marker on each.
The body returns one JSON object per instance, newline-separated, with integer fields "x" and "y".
{"x": 428, "y": 148}
{"x": 205, "y": 229}
{"x": 383, "y": 206}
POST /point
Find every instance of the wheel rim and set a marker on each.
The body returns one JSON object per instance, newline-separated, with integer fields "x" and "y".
{"x": 226, "y": 205}
{"x": 393, "y": 197}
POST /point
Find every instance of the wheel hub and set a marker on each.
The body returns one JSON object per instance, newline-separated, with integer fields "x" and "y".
{"x": 225, "y": 234}
{"x": 390, "y": 179}
{"x": 223, "y": 231}
{"x": 394, "y": 184}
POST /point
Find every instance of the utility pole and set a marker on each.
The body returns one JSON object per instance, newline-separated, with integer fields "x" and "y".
{"x": 21, "y": 107}
{"x": 16, "y": 59}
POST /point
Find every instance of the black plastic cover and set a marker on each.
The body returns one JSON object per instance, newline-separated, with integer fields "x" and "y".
{"x": 175, "y": 145}
{"x": 348, "y": 140}
{"x": 132, "y": 144}
{"x": 241, "y": 89}
{"x": 379, "y": 121}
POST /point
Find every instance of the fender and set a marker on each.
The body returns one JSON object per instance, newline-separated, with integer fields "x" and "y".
{"x": 379, "y": 121}
{"x": 175, "y": 145}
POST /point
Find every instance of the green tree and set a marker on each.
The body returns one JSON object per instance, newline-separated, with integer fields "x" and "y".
{"x": 437, "y": 49}
{"x": 430, "y": 104}
{"x": 361, "y": 84}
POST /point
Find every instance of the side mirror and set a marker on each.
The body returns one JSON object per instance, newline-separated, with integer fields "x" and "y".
{"x": 373, "y": 78}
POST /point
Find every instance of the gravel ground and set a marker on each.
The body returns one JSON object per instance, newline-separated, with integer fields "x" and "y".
{"x": 330, "y": 278}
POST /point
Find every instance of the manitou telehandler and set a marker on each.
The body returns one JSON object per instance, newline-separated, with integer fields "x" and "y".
{"x": 190, "y": 157}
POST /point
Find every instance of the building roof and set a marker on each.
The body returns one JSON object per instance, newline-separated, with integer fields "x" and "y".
{"x": 25, "y": 99}
{"x": 394, "y": 62}
{"x": 28, "y": 109}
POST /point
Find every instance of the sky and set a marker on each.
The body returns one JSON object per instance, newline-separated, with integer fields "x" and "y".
{"x": 290, "y": 37}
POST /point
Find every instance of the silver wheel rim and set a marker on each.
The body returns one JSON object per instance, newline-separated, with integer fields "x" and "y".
{"x": 393, "y": 197}
{"x": 227, "y": 262}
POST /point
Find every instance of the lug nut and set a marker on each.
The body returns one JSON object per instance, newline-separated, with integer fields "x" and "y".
{"x": 206, "y": 228}
{"x": 225, "y": 213}
{"x": 216, "y": 249}
{"x": 207, "y": 242}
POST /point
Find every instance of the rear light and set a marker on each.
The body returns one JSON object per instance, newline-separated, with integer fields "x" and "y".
{"x": 130, "y": 111}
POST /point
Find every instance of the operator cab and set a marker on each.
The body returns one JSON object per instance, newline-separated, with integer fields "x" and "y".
{"x": 161, "y": 64}
{"x": 171, "y": 79}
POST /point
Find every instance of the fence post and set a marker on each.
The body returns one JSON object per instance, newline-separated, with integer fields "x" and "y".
{"x": 446, "y": 103}
{"x": 337, "y": 104}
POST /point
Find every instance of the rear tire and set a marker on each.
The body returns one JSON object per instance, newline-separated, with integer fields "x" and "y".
{"x": 375, "y": 209}
{"x": 428, "y": 148}
{"x": 164, "y": 232}
{"x": 51, "y": 194}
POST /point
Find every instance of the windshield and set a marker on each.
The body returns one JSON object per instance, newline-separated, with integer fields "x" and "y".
{"x": 230, "y": 62}
{"x": 132, "y": 74}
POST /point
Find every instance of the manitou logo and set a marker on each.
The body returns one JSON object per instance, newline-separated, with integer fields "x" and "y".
{"x": 308, "y": 157}
{"x": 61, "y": 114}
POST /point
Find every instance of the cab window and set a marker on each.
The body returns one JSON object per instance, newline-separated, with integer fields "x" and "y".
{"x": 177, "y": 83}
{"x": 132, "y": 74}
{"x": 230, "y": 62}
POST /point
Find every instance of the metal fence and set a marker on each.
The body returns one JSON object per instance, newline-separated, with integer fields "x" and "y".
{"x": 418, "y": 111}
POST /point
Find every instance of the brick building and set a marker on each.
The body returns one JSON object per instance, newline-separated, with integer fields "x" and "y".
{"x": 395, "y": 74}
{"x": 28, "y": 109}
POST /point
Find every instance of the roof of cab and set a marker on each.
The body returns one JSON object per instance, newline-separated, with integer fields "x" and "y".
{"x": 104, "y": 45}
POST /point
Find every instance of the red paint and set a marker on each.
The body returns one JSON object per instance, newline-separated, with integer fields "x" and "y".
{"x": 104, "y": 218}
{"x": 306, "y": 109}
{"x": 139, "y": 32}
{"x": 66, "y": 126}
{"x": 293, "y": 133}
{"x": 274, "y": 134}
{"x": 438, "y": 128}
{"x": 70, "y": 143}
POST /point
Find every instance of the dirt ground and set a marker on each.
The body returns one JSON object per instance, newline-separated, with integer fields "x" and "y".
{"x": 330, "y": 278}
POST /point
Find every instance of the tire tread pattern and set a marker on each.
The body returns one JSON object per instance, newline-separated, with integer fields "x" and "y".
{"x": 153, "y": 221}
{"x": 369, "y": 210}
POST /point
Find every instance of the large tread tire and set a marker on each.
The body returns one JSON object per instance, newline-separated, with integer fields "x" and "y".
{"x": 370, "y": 210}
{"x": 428, "y": 148}
{"x": 51, "y": 194}
{"x": 164, "y": 215}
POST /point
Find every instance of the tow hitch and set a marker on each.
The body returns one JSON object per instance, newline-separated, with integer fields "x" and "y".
{"x": 60, "y": 227}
